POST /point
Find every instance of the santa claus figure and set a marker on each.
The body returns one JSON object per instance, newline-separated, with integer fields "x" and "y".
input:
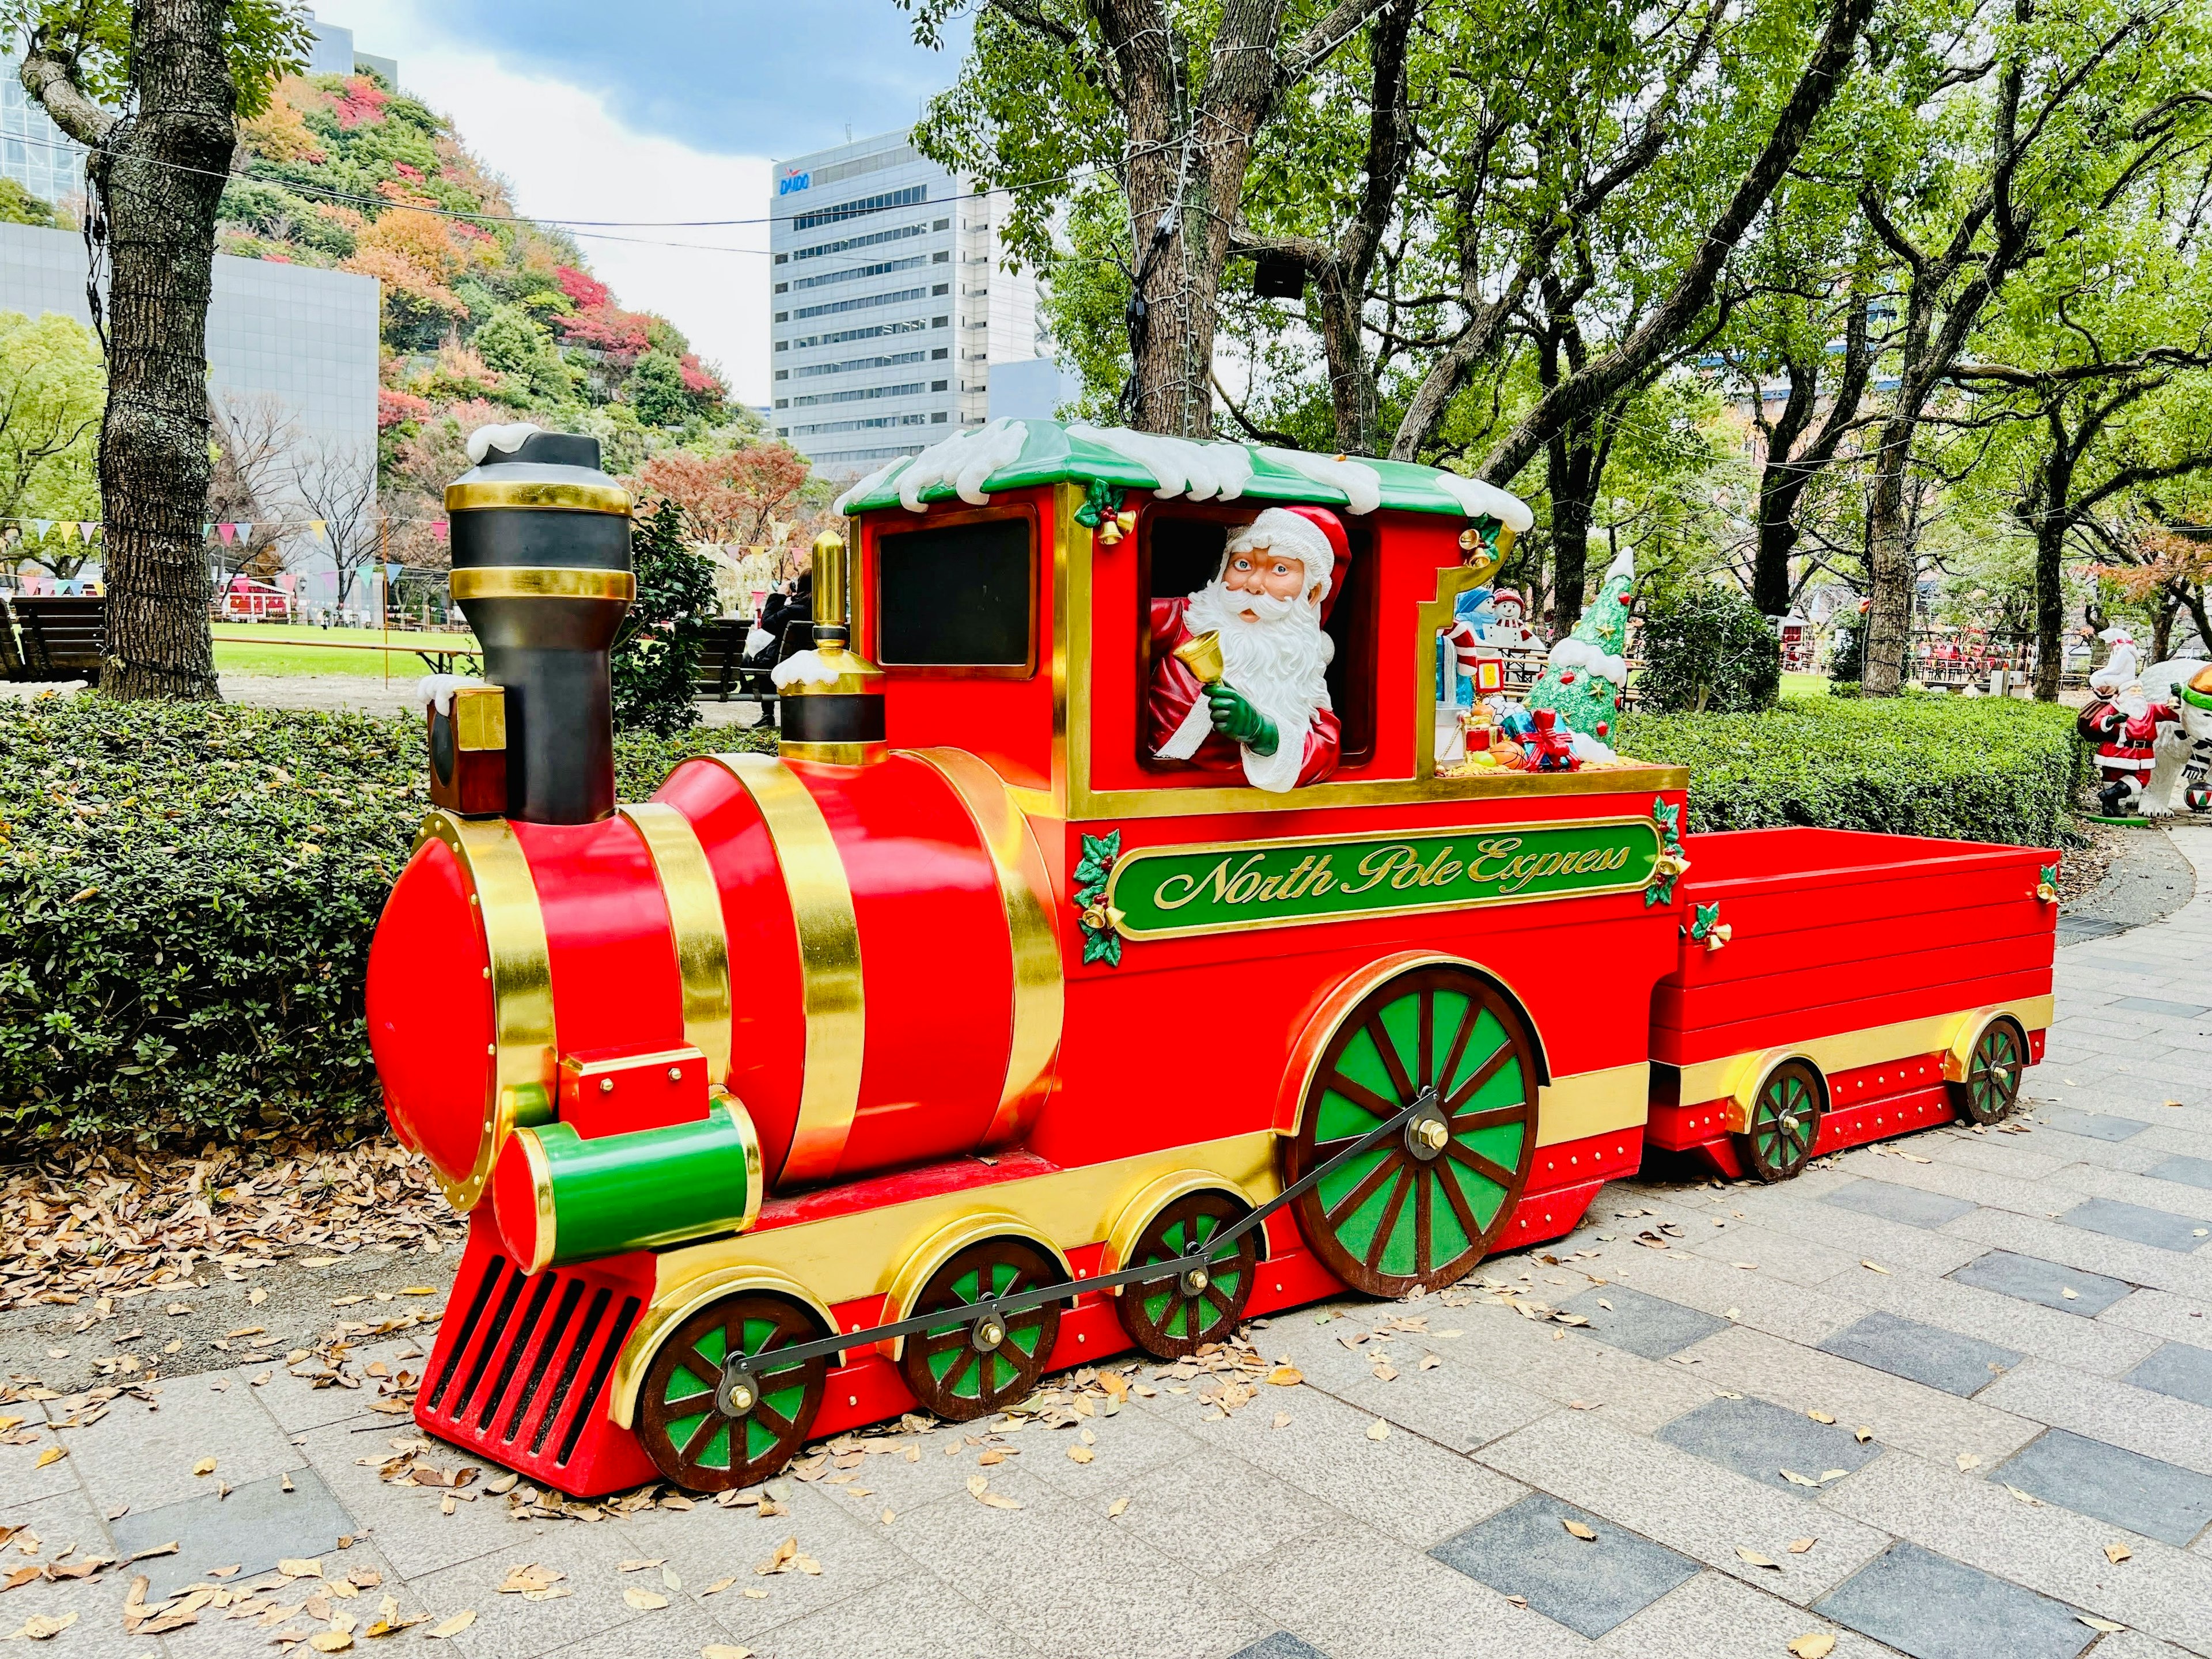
{"x": 1267, "y": 715}
{"x": 2125, "y": 725}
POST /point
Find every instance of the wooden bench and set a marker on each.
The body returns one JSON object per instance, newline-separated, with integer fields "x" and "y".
{"x": 721, "y": 657}
{"x": 722, "y": 677}
{"x": 63, "y": 638}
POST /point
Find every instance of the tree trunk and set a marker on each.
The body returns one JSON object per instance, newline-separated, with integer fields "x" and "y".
{"x": 1889, "y": 558}
{"x": 156, "y": 174}
{"x": 1781, "y": 482}
{"x": 1571, "y": 460}
{"x": 2055, "y": 488}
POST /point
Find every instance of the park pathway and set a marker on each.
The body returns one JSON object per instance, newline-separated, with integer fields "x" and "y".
{"x": 1948, "y": 1397}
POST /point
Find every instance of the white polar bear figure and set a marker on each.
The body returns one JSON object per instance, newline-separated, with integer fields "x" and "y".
{"x": 2181, "y": 757}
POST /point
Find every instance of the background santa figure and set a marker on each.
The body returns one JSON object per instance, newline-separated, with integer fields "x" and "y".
{"x": 1268, "y": 714}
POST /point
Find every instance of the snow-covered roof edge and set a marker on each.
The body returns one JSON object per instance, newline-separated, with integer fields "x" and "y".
{"x": 1010, "y": 454}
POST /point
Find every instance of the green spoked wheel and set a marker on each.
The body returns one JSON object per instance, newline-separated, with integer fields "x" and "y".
{"x": 1992, "y": 1085}
{"x": 1179, "y": 1314}
{"x": 978, "y": 1360}
{"x": 1421, "y": 1208}
{"x": 1785, "y": 1119}
{"x": 716, "y": 1411}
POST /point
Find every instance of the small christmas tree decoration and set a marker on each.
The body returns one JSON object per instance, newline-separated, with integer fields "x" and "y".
{"x": 1587, "y": 673}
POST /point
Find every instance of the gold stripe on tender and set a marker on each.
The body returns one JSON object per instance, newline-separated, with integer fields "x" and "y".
{"x": 694, "y": 923}
{"x": 540, "y": 495}
{"x": 505, "y": 897}
{"x": 828, "y": 957}
{"x": 1875, "y": 1045}
{"x": 1587, "y": 1103}
{"x": 1025, "y": 891}
{"x": 535, "y": 582}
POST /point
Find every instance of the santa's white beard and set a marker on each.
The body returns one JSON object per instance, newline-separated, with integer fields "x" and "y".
{"x": 1279, "y": 662}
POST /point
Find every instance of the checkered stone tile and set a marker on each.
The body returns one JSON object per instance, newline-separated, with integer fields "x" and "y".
{"x": 2183, "y": 1171}
{"x": 251, "y": 1528}
{"x": 2153, "y": 1006}
{"x": 1281, "y": 1645}
{"x": 1759, "y": 1439}
{"x": 2094, "y": 1125}
{"x": 2032, "y": 1280}
{"x": 1933, "y": 1608}
{"x": 2142, "y": 1494}
{"x": 2178, "y": 1368}
{"x": 2159, "y": 1228}
{"x": 1648, "y": 1325}
{"x": 1925, "y": 1353}
{"x": 1895, "y": 1203}
{"x": 1589, "y": 1585}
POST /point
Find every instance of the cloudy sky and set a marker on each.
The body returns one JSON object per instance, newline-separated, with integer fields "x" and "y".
{"x": 658, "y": 110}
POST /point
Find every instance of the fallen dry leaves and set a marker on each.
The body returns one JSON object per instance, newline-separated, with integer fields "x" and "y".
{"x": 2116, "y": 1552}
{"x": 1814, "y": 1644}
{"x": 1576, "y": 1528}
{"x": 113, "y": 1223}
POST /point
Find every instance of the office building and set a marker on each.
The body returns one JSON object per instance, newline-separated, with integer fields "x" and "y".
{"x": 333, "y": 53}
{"x": 887, "y": 307}
{"x": 34, "y": 151}
{"x": 299, "y": 339}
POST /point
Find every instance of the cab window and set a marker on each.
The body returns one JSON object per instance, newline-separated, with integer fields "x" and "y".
{"x": 958, "y": 596}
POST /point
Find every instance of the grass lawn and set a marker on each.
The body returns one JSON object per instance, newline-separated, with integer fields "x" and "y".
{"x": 289, "y": 649}
{"x": 1804, "y": 685}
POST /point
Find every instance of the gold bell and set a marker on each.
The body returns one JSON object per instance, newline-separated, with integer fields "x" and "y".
{"x": 1110, "y": 531}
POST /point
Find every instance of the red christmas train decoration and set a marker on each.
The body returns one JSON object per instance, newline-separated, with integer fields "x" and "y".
{"x": 963, "y": 1040}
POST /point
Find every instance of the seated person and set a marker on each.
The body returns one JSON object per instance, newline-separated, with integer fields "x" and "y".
{"x": 1268, "y": 715}
{"x": 783, "y": 608}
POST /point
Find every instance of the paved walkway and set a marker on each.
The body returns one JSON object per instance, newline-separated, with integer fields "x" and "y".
{"x": 1949, "y": 1397}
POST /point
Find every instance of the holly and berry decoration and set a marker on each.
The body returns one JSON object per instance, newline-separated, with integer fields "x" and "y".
{"x": 1670, "y": 864}
{"x": 1102, "y": 941}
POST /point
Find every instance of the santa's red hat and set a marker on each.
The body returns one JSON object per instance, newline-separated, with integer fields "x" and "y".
{"x": 1313, "y": 534}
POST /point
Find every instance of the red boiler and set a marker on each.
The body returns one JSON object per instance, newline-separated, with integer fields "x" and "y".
{"x": 593, "y": 983}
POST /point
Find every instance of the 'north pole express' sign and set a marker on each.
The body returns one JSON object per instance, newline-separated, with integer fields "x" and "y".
{"x": 1171, "y": 891}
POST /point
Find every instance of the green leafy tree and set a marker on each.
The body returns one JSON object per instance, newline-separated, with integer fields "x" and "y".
{"x": 657, "y": 390}
{"x": 656, "y": 655}
{"x": 155, "y": 90}
{"x": 51, "y": 389}
{"x": 19, "y": 207}
{"x": 517, "y": 345}
{"x": 1709, "y": 651}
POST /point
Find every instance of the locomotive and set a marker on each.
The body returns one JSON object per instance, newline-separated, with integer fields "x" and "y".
{"x": 965, "y": 1038}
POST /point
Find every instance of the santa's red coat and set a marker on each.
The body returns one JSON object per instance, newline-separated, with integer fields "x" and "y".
{"x": 1175, "y": 688}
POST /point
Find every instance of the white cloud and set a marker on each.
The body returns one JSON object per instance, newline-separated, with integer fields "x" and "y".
{"x": 566, "y": 154}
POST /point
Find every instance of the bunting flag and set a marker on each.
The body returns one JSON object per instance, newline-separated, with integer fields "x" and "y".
{"x": 226, "y": 531}
{"x": 206, "y": 531}
{"x": 320, "y": 526}
{"x": 42, "y": 526}
{"x": 69, "y": 528}
{"x": 438, "y": 528}
{"x": 84, "y": 529}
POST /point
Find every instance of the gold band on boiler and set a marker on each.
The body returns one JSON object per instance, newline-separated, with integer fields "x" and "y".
{"x": 534, "y": 581}
{"x": 1025, "y": 889}
{"x": 695, "y": 922}
{"x": 566, "y": 497}
{"x": 505, "y": 898}
{"x": 829, "y": 957}
{"x": 749, "y": 1135}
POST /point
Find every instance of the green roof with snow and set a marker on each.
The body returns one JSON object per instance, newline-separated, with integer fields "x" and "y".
{"x": 1009, "y": 454}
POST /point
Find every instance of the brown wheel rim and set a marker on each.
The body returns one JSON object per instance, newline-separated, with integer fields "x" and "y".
{"x": 1177, "y": 1316}
{"x": 1785, "y": 1119}
{"x": 717, "y": 1412}
{"x": 980, "y": 1361}
{"x": 1422, "y": 1207}
{"x": 1993, "y": 1073}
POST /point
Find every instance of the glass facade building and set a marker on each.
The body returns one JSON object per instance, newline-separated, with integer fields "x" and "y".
{"x": 886, "y": 306}
{"x": 34, "y": 151}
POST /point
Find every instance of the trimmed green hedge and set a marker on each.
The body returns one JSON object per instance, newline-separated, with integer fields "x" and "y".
{"x": 1974, "y": 768}
{"x": 186, "y": 897}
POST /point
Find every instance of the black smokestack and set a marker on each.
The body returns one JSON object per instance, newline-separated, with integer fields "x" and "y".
{"x": 541, "y": 568}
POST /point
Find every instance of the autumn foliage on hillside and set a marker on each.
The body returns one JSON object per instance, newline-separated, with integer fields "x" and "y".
{"x": 483, "y": 320}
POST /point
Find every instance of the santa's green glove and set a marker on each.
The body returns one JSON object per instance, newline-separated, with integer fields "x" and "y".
{"x": 1235, "y": 718}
